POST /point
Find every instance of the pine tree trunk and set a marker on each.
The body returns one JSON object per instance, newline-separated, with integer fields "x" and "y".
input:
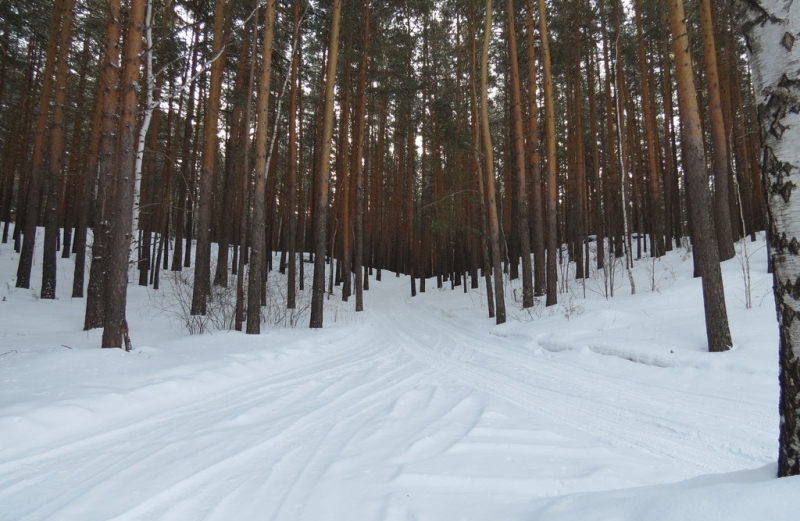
{"x": 719, "y": 139}
{"x": 523, "y": 224}
{"x": 703, "y": 233}
{"x": 651, "y": 142}
{"x": 54, "y": 178}
{"x": 37, "y": 177}
{"x": 358, "y": 153}
{"x": 257, "y": 240}
{"x": 323, "y": 175}
{"x": 292, "y": 167}
{"x": 537, "y": 215}
{"x": 550, "y": 160}
{"x": 245, "y": 177}
{"x": 114, "y": 324}
{"x": 186, "y": 170}
{"x": 95, "y": 291}
{"x": 202, "y": 267}
{"x": 86, "y": 199}
{"x": 488, "y": 154}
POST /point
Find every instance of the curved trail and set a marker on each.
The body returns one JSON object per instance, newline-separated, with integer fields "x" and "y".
{"x": 658, "y": 420}
{"x": 405, "y": 416}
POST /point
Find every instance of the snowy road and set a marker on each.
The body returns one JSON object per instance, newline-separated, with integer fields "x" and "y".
{"x": 410, "y": 413}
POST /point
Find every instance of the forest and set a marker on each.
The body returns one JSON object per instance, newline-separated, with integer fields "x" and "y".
{"x": 455, "y": 140}
{"x": 446, "y": 142}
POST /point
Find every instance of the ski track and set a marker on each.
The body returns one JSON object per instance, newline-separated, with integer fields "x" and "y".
{"x": 265, "y": 445}
{"x": 576, "y": 392}
{"x": 287, "y": 407}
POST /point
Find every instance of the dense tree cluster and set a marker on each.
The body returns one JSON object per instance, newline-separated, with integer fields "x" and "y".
{"x": 459, "y": 142}
{"x": 449, "y": 141}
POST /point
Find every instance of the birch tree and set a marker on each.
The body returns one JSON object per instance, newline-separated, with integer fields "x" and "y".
{"x": 770, "y": 27}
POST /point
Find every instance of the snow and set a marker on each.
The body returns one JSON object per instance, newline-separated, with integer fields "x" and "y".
{"x": 417, "y": 409}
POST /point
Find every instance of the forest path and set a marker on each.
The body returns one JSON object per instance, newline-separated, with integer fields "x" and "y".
{"x": 412, "y": 411}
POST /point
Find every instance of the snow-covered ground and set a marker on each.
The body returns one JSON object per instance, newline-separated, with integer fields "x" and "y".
{"x": 417, "y": 409}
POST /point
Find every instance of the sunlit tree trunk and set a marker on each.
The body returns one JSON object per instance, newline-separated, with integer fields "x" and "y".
{"x": 704, "y": 238}
{"x": 719, "y": 140}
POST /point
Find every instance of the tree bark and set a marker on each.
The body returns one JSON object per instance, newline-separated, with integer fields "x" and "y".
{"x": 488, "y": 155}
{"x": 291, "y": 181}
{"x": 114, "y": 324}
{"x": 53, "y": 182}
{"x": 523, "y": 224}
{"x": 719, "y": 139}
{"x": 770, "y": 27}
{"x": 550, "y": 159}
{"x": 257, "y": 240}
{"x": 537, "y": 220}
{"x": 358, "y": 153}
{"x": 323, "y": 175}
{"x": 37, "y": 175}
{"x": 95, "y": 291}
{"x": 202, "y": 263}
{"x": 704, "y": 237}
{"x": 651, "y": 142}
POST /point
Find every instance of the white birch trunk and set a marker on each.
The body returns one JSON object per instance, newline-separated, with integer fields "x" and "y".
{"x": 148, "y": 116}
{"x": 771, "y": 28}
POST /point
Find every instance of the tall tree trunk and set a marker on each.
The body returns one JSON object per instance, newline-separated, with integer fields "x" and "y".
{"x": 245, "y": 178}
{"x": 36, "y": 184}
{"x": 73, "y": 194}
{"x": 488, "y": 154}
{"x": 358, "y": 153}
{"x": 773, "y": 59}
{"x": 114, "y": 324}
{"x": 703, "y": 234}
{"x": 719, "y": 139}
{"x": 292, "y": 167}
{"x": 539, "y": 280}
{"x": 651, "y": 141}
{"x": 53, "y": 179}
{"x": 232, "y": 157}
{"x": 87, "y": 202}
{"x": 523, "y": 224}
{"x": 95, "y": 291}
{"x": 323, "y": 176}
{"x": 257, "y": 240}
{"x": 186, "y": 167}
{"x": 550, "y": 158}
{"x": 202, "y": 267}
{"x": 579, "y": 157}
